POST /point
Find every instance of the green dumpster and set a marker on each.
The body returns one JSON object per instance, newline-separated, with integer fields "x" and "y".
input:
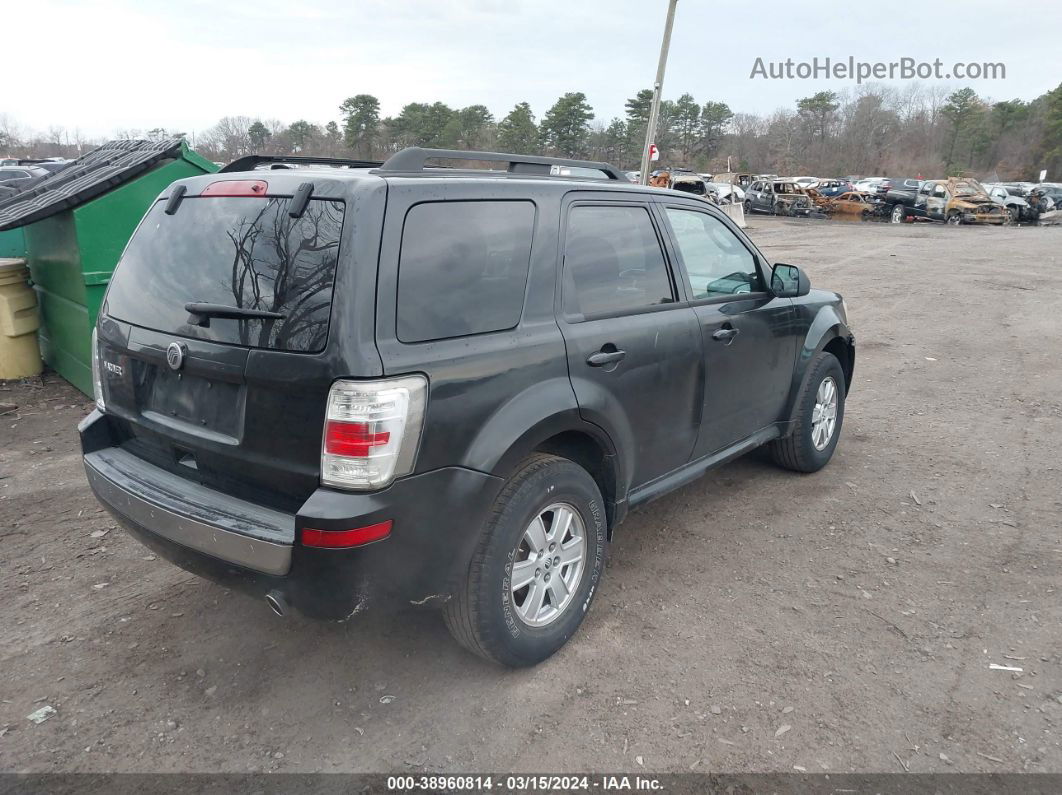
{"x": 76, "y": 224}
{"x": 12, "y": 244}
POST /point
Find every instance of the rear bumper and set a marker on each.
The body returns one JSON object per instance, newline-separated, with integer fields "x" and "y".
{"x": 437, "y": 517}
{"x": 223, "y": 527}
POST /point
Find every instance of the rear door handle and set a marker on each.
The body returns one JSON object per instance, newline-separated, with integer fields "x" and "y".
{"x": 725, "y": 335}
{"x": 602, "y": 358}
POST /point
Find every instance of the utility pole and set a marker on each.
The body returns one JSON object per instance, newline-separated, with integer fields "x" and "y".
{"x": 658, "y": 87}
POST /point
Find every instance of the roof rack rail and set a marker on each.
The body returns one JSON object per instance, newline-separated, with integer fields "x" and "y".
{"x": 412, "y": 159}
{"x": 249, "y": 162}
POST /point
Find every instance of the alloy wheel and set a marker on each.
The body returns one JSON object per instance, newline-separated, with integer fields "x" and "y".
{"x": 824, "y": 415}
{"x": 548, "y": 565}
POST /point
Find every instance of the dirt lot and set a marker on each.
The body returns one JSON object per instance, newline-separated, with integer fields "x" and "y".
{"x": 756, "y": 620}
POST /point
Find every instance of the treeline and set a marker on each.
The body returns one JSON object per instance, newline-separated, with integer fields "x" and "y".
{"x": 873, "y": 130}
{"x": 689, "y": 131}
{"x": 927, "y": 131}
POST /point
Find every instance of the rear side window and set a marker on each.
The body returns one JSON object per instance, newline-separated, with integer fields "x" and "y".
{"x": 463, "y": 268}
{"x": 234, "y": 252}
{"x": 613, "y": 262}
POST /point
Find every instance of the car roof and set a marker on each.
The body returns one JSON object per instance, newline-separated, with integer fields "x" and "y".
{"x": 336, "y": 182}
{"x": 338, "y": 177}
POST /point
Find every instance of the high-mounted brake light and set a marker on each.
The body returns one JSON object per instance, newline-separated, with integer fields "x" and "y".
{"x": 344, "y": 539}
{"x": 236, "y": 187}
{"x": 372, "y": 430}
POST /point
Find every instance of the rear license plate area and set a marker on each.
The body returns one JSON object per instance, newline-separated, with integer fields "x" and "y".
{"x": 203, "y": 404}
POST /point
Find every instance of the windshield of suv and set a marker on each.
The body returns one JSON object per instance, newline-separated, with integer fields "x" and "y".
{"x": 246, "y": 253}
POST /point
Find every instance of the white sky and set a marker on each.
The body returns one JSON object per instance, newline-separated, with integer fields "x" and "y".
{"x": 105, "y": 65}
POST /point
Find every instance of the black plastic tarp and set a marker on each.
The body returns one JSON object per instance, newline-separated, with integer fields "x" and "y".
{"x": 89, "y": 176}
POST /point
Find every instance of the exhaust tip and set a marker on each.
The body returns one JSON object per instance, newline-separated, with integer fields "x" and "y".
{"x": 276, "y": 602}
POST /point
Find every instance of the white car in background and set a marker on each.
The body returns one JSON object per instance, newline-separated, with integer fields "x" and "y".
{"x": 725, "y": 193}
{"x": 870, "y": 184}
{"x": 1016, "y": 204}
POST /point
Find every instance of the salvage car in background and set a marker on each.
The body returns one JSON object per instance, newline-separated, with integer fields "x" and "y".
{"x": 741, "y": 180}
{"x": 953, "y": 201}
{"x": 853, "y": 204}
{"x": 688, "y": 182}
{"x": 1015, "y": 203}
{"x": 833, "y": 187}
{"x": 873, "y": 185}
{"x": 778, "y": 197}
{"x": 681, "y": 180}
{"x": 905, "y": 183}
{"x": 725, "y": 193}
{"x": 52, "y": 165}
{"x": 18, "y": 176}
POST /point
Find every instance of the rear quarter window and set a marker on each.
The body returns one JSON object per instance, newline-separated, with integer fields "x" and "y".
{"x": 463, "y": 268}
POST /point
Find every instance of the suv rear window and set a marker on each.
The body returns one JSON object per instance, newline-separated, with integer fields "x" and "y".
{"x": 463, "y": 268}
{"x": 236, "y": 252}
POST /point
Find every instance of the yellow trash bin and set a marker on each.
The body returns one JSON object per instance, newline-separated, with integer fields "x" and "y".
{"x": 20, "y": 355}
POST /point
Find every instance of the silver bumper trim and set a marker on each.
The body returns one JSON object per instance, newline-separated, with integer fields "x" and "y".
{"x": 161, "y": 503}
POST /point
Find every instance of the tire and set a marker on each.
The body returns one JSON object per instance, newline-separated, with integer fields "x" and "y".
{"x": 799, "y": 451}
{"x": 954, "y": 218}
{"x": 486, "y": 615}
{"x": 1013, "y": 215}
{"x": 748, "y": 208}
{"x": 899, "y": 214}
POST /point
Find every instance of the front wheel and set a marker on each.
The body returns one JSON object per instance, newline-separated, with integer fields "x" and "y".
{"x": 819, "y": 414}
{"x": 899, "y": 214}
{"x": 536, "y": 566}
{"x": 954, "y": 218}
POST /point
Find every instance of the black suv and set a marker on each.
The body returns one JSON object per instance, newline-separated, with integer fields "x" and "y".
{"x": 334, "y": 387}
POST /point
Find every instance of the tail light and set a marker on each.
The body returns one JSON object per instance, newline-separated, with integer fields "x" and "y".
{"x": 344, "y": 539}
{"x": 97, "y": 380}
{"x": 372, "y": 430}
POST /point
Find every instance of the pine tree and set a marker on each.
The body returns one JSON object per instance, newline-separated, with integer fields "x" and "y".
{"x": 361, "y": 120}
{"x": 517, "y": 132}
{"x": 566, "y": 126}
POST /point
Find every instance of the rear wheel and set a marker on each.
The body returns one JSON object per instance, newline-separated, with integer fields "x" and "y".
{"x": 536, "y": 567}
{"x": 819, "y": 414}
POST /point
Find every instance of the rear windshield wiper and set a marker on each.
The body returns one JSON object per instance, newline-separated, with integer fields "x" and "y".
{"x": 201, "y": 313}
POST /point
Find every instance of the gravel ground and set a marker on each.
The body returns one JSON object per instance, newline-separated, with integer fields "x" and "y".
{"x": 755, "y": 620}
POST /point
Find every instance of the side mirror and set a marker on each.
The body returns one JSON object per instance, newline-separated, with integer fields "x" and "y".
{"x": 788, "y": 281}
